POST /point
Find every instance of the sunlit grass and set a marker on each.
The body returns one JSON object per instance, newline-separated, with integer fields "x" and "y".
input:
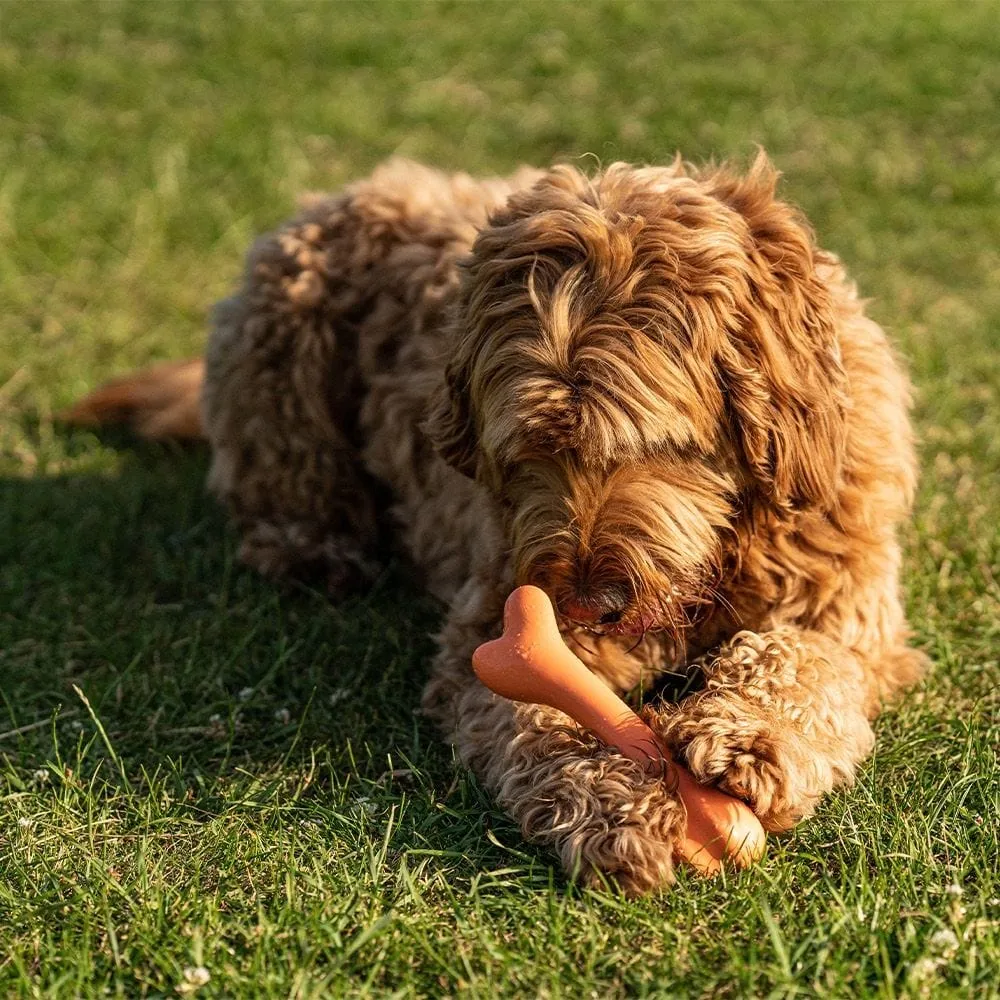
{"x": 241, "y": 788}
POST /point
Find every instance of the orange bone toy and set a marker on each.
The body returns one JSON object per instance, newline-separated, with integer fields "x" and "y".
{"x": 530, "y": 662}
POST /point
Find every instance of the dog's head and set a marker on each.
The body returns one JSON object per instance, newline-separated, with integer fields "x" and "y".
{"x": 640, "y": 359}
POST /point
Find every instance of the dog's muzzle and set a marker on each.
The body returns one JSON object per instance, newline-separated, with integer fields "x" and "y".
{"x": 609, "y": 611}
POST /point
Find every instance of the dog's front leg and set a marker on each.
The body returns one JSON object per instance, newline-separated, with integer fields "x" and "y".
{"x": 601, "y": 812}
{"x": 782, "y": 720}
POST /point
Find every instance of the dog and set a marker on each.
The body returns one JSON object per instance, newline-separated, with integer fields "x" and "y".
{"x": 647, "y": 391}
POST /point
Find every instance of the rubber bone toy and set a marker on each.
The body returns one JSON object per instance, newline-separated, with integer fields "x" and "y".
{"x": 530, "y": 662}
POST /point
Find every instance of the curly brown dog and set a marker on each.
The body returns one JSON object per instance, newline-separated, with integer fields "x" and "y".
{"x": 646, "y": 391}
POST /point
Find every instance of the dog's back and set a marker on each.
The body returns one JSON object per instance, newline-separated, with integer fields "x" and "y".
{"x": 317, "y": 373}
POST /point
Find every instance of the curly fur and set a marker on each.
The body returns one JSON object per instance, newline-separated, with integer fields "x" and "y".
{"x": 647, "y": 391}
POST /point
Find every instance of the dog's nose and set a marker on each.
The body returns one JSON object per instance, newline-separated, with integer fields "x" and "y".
{"x": 604, "y": 607}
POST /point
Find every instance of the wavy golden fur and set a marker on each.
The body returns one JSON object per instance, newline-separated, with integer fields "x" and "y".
{"x": 647, "y": 391}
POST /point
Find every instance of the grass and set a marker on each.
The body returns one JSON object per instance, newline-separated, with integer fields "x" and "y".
{"x": 203, "y": 775}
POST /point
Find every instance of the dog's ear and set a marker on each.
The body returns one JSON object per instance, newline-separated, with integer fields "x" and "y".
{"x": 450, "y": 424}
{"x": 781, "y": 369}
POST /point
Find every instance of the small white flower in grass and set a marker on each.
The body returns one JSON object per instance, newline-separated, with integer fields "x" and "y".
{"x": 195, "y": 976}
{"x": 42, "y": 776}
{"x": 924, "y": 968}
{"x": 944, "y": 941}
{"x": 245, "y": 694}
{"x": 341, "y": 694}
{"x": 24, "y": 823}
{"x": 213, "y": 719}
{"x": 954, "y": 890}
{"x": 283, "y": 716}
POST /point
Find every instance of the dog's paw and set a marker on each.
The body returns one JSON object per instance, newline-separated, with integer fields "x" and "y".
{"x": 607, "y": 818}
{"x": 336, "y": 562}
{"x": 755, "y": 758}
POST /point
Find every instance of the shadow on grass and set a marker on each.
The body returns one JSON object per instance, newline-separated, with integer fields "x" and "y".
{"x": 120, "y": 580}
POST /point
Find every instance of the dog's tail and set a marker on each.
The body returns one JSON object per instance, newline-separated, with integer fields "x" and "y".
{"x": 159, "y": 402}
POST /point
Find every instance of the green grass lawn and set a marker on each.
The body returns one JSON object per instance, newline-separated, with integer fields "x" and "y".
{"x": 206, "y": 776}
